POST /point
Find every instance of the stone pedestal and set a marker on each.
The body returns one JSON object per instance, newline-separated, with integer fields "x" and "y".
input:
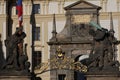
{"x": 15, "y": 77}
{"x": 103, "y": 76}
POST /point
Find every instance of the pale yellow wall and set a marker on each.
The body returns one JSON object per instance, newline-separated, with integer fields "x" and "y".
{"x": 112, "y": 6}
{"x": 3, "y": 31}
{"x": 45, "y": 18}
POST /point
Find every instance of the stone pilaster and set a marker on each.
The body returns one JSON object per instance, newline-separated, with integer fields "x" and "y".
{"x": 59, "y": 7}
{"x": 43, "y": 6}
{"x": 63, "y": 3}
{"x": 2, "y": 7}
{"x": 101, "y": 4}
{"x": 104, "y": 5}
{"x": 14, "y": 11}
{"x": 47, "y": 7}
{"x": 25, "y": 9}
{"x": 29, "y": 8}
{"x": 118, "y": 5}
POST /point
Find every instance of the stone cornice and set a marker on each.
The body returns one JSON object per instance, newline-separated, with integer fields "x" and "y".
{"x": 50, "y": 0}
{"x": 41, "y": 16}
{"x": 106, "y": 15}
{"x": 3, "y": 16}
{"x": 58, "y": 16}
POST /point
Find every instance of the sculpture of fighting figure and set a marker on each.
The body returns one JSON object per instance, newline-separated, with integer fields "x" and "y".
{"x": 102, "y": 56}
{"x": 16, "y": 58}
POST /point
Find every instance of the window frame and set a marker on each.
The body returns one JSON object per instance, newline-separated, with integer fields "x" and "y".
{"x": 37, "y": 34}
{"x": 36, "y": 8}
{"x": 37, "y": 57}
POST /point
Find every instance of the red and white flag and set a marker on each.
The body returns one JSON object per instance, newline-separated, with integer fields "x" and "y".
{"x": 20, "y": 12}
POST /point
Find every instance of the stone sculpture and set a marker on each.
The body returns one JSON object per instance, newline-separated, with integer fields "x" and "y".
{"x": 16, "y": 59}
{"x": 102, "y": 56}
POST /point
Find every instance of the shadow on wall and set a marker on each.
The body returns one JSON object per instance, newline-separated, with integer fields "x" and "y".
{"x": 2, "y": 59}
{"x": 33, "y": 23}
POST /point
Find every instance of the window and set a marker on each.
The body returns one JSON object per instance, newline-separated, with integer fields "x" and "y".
{"x": 36, "y": 8}
{"x": 37, "y": 57}
{"x": 37, "y": 33}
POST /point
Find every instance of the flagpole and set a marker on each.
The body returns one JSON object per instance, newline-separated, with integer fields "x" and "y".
{"x": 20, "y": 16}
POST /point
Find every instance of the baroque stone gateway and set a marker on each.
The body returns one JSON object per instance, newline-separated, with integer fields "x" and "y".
{"x": 84, "y": 40}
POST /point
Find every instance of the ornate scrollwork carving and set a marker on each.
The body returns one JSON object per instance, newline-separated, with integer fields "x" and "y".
{"x": 60, "y": 61}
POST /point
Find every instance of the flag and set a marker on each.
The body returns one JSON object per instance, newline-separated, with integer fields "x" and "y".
{"x": 19, "y": 12}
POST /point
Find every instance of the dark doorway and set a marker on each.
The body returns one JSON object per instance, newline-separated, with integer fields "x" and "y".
{"x": 61, "y": 77}
{"x": 79, "y": 75}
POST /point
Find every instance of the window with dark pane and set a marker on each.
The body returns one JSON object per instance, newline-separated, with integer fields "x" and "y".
{"x": 37, "y": 33}
{"x": 37, "y": 56}
{"x": 36, "y": 8}
{"x": 16, "y": 12}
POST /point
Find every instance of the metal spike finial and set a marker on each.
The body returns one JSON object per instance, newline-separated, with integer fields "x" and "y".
{"x": 54, "y": 23}
{"x": 54, "y": 27}
{"x": 111, "y": 23}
